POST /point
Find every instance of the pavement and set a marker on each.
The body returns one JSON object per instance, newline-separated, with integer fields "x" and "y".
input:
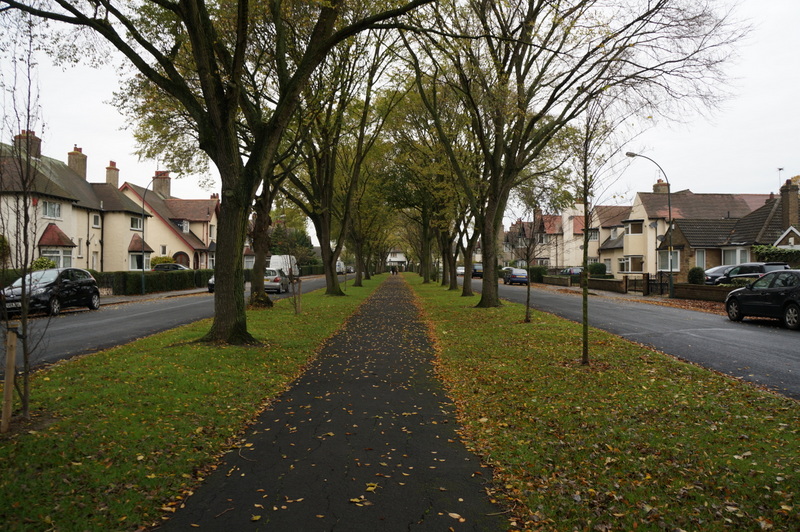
{"x": 366, "y": 439}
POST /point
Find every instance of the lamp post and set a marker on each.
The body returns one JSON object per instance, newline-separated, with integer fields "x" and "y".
{"x": 669, "y": 215}
{"x": 144, "y": 195}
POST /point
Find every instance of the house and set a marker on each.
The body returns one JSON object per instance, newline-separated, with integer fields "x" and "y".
{"x": 643, "y": 248}
{"x": 184, "y": 230}
{"x": 396, "y": 258}
{"x": 72, "y": 221}
{"x": 708, "y": 242}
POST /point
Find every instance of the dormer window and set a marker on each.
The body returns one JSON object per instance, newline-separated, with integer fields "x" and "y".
{"x": 185, "y": 225}
{"x": 51, "y": 209}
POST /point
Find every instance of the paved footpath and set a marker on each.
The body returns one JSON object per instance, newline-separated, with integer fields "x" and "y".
{"x": 365, "y": 440}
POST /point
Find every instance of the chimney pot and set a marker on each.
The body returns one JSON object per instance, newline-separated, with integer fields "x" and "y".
{"x": 112, "y": 174}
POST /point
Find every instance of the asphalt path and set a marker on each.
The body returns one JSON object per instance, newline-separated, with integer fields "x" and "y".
{"x": 759, "y": 351}
{"x": 80, "y": 331}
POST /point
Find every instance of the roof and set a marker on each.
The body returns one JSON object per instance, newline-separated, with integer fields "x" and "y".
{"x": 55, "y": 237}
{"x": 136, "y": 244}
{"x": 56, "y": 179}
{"x": 611, "y": 215}
{"x": 552, "y": 224}
{"x": 613, "y": 243}
{"x": 172, "y": 210}
{"x": 762, "y": 226}
{"x": 688, "y": 205}
{"x": 706, "y": 233}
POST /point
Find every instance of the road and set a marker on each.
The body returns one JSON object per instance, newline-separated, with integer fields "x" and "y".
{"x": 759, "y": 351}
{"x": 80, "y": 331}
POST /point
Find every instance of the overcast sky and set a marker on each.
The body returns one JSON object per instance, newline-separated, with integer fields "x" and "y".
{"x": 738, "y": 150}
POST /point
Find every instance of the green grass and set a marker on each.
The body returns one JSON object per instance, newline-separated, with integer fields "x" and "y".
{"x": 636, "y": 441}
{"x": 119, "y": 434}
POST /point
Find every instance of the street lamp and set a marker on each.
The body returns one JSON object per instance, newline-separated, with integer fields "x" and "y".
{"x": 669, "y": 215}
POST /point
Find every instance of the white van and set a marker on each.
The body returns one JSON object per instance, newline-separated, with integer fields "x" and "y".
{"x": 340, "y": 266}
{"x": 287, "y": 263}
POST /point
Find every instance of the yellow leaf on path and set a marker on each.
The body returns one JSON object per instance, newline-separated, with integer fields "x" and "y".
{"x": 255, "y": 518}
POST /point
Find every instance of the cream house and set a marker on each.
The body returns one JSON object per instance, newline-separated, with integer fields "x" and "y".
{"x": 185, "y": 230}
{"x": 71, "y": 221}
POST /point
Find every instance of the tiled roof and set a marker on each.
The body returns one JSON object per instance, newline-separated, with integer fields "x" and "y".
{"x": 613, "y": 243}
{"x": 192, "y": 210}
{"x": 688, "y": 205}
{"x": 611, "y": 215}
{"x": 552, "y": 224}
{"x": 54, "y": 236}
{"x": 762, "y": 226}
{"x": 136, "y": 245}
{"x": 706, "y": 233}
{"x": 113, "y": 200}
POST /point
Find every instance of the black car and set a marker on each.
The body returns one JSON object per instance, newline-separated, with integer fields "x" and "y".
{"x": 169, "y": 267}
{"x": 774, "y": 295}
{"x": 712, "y": 274}
{"x": 750, "y": 270}
{"x": 52, "y": 290}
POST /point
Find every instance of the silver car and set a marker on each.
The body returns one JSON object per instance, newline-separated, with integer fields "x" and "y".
{"x": 275, "y": 281}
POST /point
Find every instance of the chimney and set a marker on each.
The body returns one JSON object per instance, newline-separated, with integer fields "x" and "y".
{"x": 790, "y": 204}
{"x": 161, "y": 183}
{"x": 660, "y": 187}
{"x": 214, "y": 195}
{"x": 112, "y": 174}
{"x": 28, "y": 142}
{"x": 76, "y": 160}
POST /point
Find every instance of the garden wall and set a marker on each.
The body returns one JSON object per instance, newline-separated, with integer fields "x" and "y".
{"x": 701, "y": 291}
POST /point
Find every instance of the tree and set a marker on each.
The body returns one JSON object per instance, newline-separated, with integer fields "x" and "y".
{"x": 525, "y": 69}
{"x": 19, "y": 214}
{"x": 235, "y": 72}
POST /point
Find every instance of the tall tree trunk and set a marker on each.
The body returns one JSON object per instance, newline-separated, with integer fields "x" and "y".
{"x": 261, "y": 243}
{"x": 230, "y": 320}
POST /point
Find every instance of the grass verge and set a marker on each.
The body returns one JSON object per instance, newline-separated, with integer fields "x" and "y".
{"x": 636, "y": 441}
{"x": 121, "y": 433}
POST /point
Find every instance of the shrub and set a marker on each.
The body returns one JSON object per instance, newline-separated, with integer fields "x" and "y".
{"x": 697, "y": 275}
{"x": 42, "y": 263}
{"x": 536, "y": 273}
{"x": 597, "y": 269}
{"x": 161, "y": 260}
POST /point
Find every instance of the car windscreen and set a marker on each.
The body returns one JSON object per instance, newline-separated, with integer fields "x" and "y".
{"x": 40, "y": 277}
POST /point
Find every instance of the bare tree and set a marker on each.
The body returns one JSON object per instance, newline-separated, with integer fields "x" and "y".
{"x": 525, "y": 69}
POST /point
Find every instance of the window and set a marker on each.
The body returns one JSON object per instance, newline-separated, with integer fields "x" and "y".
{"x": 212, "y": 231}
{"x": 663, "y": 260}
{"x": 700, "y": 258}
{"x": 744, "y": 255}
{"x": 135, "y": 261}
{"x": 634, "y": 228}
{"x": 607, "y": 262}
{"x": 632, "y": 264}
{"x": 61, "y": 256}
{"x": 51, "y": 209}
{"x": 594, "y": 235}
{"x": 249, "y": 260}
{"x": 185, "y": 226}
{"x": 211, "y": 261}
{"x": 163, "y": 250}
{"x": 614, "y": 232}
{"x": 136, "y": 224}
{"x": 728, "y": 256}
{"x": 96, "y": 220}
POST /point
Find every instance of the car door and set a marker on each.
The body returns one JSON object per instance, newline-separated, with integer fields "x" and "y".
{"x": 784, "y": 284}
{"x": 754, "y": 299}
{"x": 67, "y": 288}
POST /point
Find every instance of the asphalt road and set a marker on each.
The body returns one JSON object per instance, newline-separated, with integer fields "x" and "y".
{"x": 80, "y": 331}
{"x": 759, "y": 351}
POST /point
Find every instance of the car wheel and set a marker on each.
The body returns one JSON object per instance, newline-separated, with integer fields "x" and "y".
{"x": 94, "y": 302}
{"x": 54, "y": 308}
{"x": 734, "y": 310}
{"x": 791, "y": 316}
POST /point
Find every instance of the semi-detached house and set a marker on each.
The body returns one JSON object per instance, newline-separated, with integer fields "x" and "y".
{"x": 99, "y": 226}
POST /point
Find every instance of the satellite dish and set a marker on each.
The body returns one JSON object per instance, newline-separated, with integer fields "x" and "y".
{"x": 660, "y": 238}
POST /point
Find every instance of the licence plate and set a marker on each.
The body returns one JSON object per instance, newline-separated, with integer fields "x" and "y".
{"x": 14, "y": 304}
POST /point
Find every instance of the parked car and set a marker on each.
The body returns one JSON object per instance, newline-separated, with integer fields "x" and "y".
{"x": 712, "y": 274}
{"x": 276, "y": 281}
{"x": 515, "y": 275}
{"x": 52, "y": 290}
{"x": 477, "y": 270}
{"x": 460, "y": 270}
{"x": 169, "y": 267}
{"x": 750, "y": 270}
{"x": 774, "y": 295}
{"x": 576, "y": 270}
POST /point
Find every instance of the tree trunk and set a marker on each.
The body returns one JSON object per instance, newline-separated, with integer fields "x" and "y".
{"x": 329, "y": 257}
{"x": 230, "y": 320}
{"x": 261, "y": 244}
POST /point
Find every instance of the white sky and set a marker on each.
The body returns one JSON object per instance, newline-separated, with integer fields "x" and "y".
{"x": 738, "y": 150}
